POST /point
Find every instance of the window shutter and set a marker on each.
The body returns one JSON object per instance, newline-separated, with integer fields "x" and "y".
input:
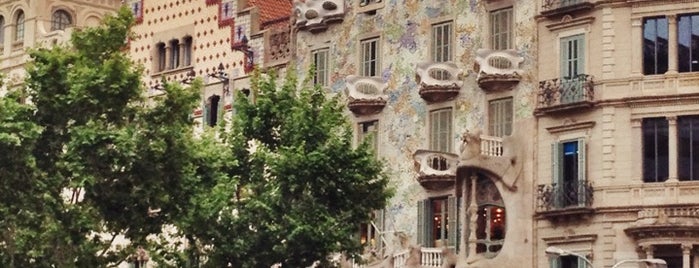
{"x": 582, "y": 263}
{"x": 564, "y": 55}
{"x": 452, "y": 229}
{"x": 582, "y": 180}
{"x": 422, "y": 221}
{"x": 555, "y": 262}
{"x": 508, "y": 117}
{"x": 556, "y": 173}
{"x": 580, "y": 59}
{"x": 379, "y": 223}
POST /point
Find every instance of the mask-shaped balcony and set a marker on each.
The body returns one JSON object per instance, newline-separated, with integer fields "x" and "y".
{"x": 436, "y": 170}
{"x": 366, "y": 95}
{"x": 551, "y": 8}
{"x": 498, "y": 69}
{"x": 568, "y": 200}
{"x": 315, "y": 15}
{"x": 438, "y": 81}
{"x": 565, "y": 94}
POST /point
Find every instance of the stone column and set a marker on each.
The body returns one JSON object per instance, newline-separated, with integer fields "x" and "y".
{"x": 672, "y": 44}
{"x": 168, "y": 55}
{"x": 686, "y": 251}
{"x": 473, "y": 214}
{"x": 637, "y": 151}
{"x": 636, "y": 47}
{"x": 672, "y": 148}
{"x": 180, "y": 46}
{"x": 463, "y": 242}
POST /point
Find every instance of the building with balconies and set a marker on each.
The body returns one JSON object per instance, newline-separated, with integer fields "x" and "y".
{"x": 445, "y": 94}
{"x": 28, "y": 24}
{"x": 615, "y": 116}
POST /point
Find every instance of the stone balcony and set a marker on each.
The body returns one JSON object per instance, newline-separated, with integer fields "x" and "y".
{"x": 427, "y": 257}
{"x": 436, "y": 170}
{"x": 315, "y": 15}
{"x": 366, "y": 95}
{"x": 665, "y": 224}
{"x": 567, "y": 94}
{"x": 497, "y": 155}
{"x": 498, "y": 70}
{"x": 438, "y": 81}
{"x": 566, "y": 201}
{"x": 552, "y": 8}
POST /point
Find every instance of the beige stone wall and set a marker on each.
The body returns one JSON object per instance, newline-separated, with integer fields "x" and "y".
{"x": 623, "y": 96}
{"x": 37, "y": 29}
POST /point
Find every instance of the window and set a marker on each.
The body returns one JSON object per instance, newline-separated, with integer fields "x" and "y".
{"x": 370, "y": 234}
{"x": 136, "y": 8}
{"x": 435, "y": 217}
{"x": 655, "y": 45}
{"x": 501, "y": 29}
{"x": 688, "y": 147}
{"x": 572, "y": 65}
{"x": 490, "y": 218}
{"x": 440, "y": 130}
{"x": 227, "y": 10}
{"x": 162, "y": 55}
{"x": 500, "y": 117}
{"x": 19, "y": 27}
{"x": 441, "y": 41}
{"x": 369, "y": 65}
{"x": 211, "y": 110}
{"x": 568, "y": 167}
{"x": 187, "y": 51}
{"x": 60, "y": 20}
{"x": 655, "y": 149}
{"x": 320, "y": 61}
{"x": 688, "y": 43}
{"x": 568, "y": 262}
{"x": 174, "y": 54}
{"x": 370, "y": 130}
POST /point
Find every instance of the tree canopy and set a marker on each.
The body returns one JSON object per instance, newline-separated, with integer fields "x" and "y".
{"x": 90, "y": 159}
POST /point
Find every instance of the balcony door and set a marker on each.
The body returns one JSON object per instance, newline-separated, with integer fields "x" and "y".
{"x": 569, "y": 173}
{"x": 572, "y": 65}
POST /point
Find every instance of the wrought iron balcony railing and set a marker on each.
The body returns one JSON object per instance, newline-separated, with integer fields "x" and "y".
{"x": 565, "y": 93}
{"x": 561, "y": 196}
{"x": 555, "y": 7}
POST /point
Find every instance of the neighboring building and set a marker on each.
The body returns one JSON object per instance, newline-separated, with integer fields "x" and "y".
{"x": 220, "y": 41}
{"x": 616, "y": 119}
{"x": 30, "y": 23}
{"x": 457, "y": 139}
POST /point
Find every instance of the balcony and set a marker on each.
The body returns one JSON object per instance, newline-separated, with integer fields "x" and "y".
{"x": 552, "y": 8}
{"x": 428, "y": 257}
{"x": 565, "y": 94}
{"x": 315, "y": 15}
{"x": 495, "y": 154}
{"x": 436, "y": 170}
{"x": 672, "y": 222}
{"x": 438, "y": 81}
{"x": 366, "y": 95}
{"x": 498, "y": 70}
{"x": 567, "y": 201}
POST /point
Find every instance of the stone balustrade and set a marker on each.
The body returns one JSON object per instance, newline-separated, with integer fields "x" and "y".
{"x": 438, "y": 81}
{"x": 366, "y": 95}
{"x": 436, "y": 170}
{"x": 491, "y": 146}
{"x": 498, "y": 69}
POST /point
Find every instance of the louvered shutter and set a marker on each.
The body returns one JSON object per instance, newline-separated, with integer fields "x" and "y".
{"x": 582, "y": 180}
{"x": 453, "y": 222}
{"x": 556, "y": 160}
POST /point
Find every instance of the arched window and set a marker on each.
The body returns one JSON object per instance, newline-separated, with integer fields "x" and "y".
{"x": 19, "y": 27}
{"x": 490, "y": 218}
{"x": 60, "y": 20}
{"x": 162, "y": 54}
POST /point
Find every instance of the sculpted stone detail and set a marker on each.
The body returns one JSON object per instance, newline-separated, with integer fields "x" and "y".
{"x": 498, "y": 69}
{"x": 497, "y": 155}
{"x": 436, "y": 170}
{"x": 315, "y": 15}
{"x": 438, "y": 81}
{"x": 366, "y": 95}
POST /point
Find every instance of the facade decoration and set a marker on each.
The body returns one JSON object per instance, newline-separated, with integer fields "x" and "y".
{"x": 498, "y": 69}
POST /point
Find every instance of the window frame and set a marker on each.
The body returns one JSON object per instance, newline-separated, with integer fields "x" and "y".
{"x": 187, "y": 51}
{"x": 212, "y": 108}
{"x": 321, "y": 72}
{"x": 688, "y": 153}
{"x": 161, "y": 56}
{"x": 2, "y": 31}
{"x": 691, "y": 64}
{"x": 435, "y": 135}
{"x": 369, "y": 129}
{"x": 496, "y": 39}
{"x": 426, "y": 217}
{"x": 367, "y": 61}
{"x": 499, "y": 124}
{"x": 174, "y": 58}
{"x": 19, "y": 27}
{"x": 559, "y": 168}
{"x": 60, "y": 20}
{"x": 658, "y": 161}
{"x": 442, "y": 51}
{"x": 658, "y": 69}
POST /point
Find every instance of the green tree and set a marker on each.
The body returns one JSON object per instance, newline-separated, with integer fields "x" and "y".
{"x": 300, "y": 188}
{"x": 91, "y": 158}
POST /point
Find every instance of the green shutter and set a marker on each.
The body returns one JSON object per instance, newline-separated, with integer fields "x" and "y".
{"x": 421, "y": 221}
{"x": 555, "y": 262}
{"x": 452, "y": 229}
{"x": 564, "y": 55}
{"x": 556, "y": 160}
{"x": 379, "y": 223}
{"x": 582, "y": 180}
